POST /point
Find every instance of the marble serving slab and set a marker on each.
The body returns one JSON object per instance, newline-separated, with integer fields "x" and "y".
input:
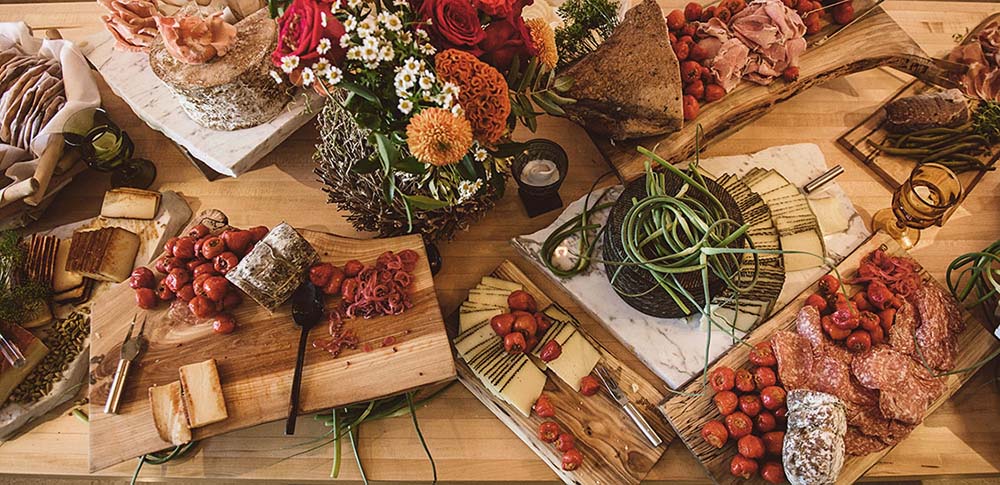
{"x": 674, "y": 349}
{"x": 229, "y": 153}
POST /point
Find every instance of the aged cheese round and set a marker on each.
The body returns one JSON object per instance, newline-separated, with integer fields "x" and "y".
{"x": 229, "y": 92}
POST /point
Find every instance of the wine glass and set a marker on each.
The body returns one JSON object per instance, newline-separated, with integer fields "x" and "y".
{"x": 930, "y": 192}
{"x": 105, "y": 147}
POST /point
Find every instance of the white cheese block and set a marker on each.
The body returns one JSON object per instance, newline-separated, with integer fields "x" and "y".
{"x": 808, "y": 241}
{"x": 491, "y": 282}
{"x": 467, "y": 320}
{"x": 169, "y": 416}
{"x": 512, "y": 378}
{"x": 130, "y": 203}
{"x": 483, "y": 290}
{"x": 471, "y": 341}
{"x": 830, "y": 215}
{"x": 63, "y": 280}
{"x": 489, "y": 298}
{"x": 203, "y": 397}
{"x": 772, "y": 180}
{"x": 468, "y": 307}
{"x": 577, "y": 360}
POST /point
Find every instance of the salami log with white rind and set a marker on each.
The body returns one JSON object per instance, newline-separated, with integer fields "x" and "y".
{"x": 275, "y": 267}
{"x": 813, "y": 450}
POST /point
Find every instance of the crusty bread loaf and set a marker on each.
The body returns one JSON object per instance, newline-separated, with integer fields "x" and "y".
{"x": 130, "y": 203}
{"x": 631, "y": 85}
{"x": 813, "y": 450}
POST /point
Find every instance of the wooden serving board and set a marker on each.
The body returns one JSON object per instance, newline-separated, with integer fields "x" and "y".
{"x": 256, "y": 361}
{"x": 614, "y": 451}
{"x": 894, "y": 169}
{"x": 687, "y": 414}
{"x": 872, "y": 41}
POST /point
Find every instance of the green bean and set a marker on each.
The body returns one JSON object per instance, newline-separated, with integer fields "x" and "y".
{"x": 947, "y": 151}
{"x": 899, "y": 151}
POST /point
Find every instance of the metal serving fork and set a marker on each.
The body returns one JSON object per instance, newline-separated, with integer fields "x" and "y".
{"x": 131, "y": 348}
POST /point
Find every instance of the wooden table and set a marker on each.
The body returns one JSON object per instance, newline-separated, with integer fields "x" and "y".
{"x": 468, "y": 443}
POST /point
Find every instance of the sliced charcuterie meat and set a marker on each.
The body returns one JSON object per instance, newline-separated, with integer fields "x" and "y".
{"x": 905, "y": 388}
{"x": 833, "y": 375}
{"x": 857, "y": 443}
{"x": 940, "y": 324}
{"x": 807, "y": 324}
{"x": 795, "y": 359}
{"x": 901, "y": 332}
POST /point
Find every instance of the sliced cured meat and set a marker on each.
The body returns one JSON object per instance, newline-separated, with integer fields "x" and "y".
{"x": 901, "y": 332}
{"x": 938, "y": 343}
{"x": 795, "y": 360}
{"x": 727, "y": 54}
{"x": 833, "y": 375}
{"x": 857, "y": 443}
{"x": 905, "y": 388}
{"x": 807, "y": 324}
{"x": 870, "y": 421}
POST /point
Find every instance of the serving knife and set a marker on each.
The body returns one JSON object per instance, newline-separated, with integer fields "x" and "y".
{"x": 616, "y": 393}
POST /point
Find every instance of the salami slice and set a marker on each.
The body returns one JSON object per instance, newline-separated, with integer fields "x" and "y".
{"x": 901, "y": 332}
{"x": 906, "y": 389}
{"x": 795, "y": 360}
{"x": 857, "y": 443}
{"x": 938, "y": 344}
{"x": 807, "y": 323}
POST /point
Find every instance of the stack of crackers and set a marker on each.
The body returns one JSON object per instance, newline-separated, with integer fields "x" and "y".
{"x": 33, "y": 92}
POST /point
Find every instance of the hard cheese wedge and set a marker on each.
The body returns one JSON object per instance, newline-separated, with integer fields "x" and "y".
{"x": 511, "y": 377}
{"x": 829, "y": 214}
{"x": 34, "y": 351}
{"x": 169, "y": 416}
{"x": 495, "y": 299}
{"x": 203, "y": 397}
{"x": 491, "y": 282}
{"x": 467, "y": 320}
{"x": 578, "y": 356}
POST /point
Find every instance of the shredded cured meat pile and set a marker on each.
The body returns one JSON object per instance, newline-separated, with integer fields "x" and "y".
{"x": 382, "y": 289}
{"x": 759, "y": 44}
{"x": 340, "y": 338}
{"x": 887, "y": 389}
{"x": 982, "y": 55}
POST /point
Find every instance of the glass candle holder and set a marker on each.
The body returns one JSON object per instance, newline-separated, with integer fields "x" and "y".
{"x": 929, "y": 193}
{"x": 539, "y": 170}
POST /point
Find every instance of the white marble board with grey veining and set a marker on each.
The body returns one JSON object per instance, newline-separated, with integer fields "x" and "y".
{"x": 674, "y": 349}
{"x": 230, "y": 153}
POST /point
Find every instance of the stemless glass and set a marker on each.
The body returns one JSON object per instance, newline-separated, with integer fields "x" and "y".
{"x": 921, "y": 202}
{"x": 105, "y": 147}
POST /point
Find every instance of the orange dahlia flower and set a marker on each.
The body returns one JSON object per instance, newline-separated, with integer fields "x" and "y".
{"x": 438, "y": 137}
{"x": 544, "y": 39}
{"x": 482, "y": 92}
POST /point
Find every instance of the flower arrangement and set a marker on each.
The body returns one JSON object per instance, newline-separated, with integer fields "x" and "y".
{"x": 435, "y": 86}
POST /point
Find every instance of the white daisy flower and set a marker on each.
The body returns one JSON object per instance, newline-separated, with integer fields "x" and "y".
{"x": 386, "y": 53}
{"x": 402, "y": 93}
{"x": 321, "y": 67}
{"x": 322, "y": 19}
{"x": 371, "y": 64}
{"x": 353, "y": 3}
{"x": 392, "y": 23}
{"x": 336, "y": 5}
{"x": 308, "y": 76}
{"x": 405, "y": 37}
{"x": 444, "y": 100}
{"x": 428, "y": 49}
{"x": 350, "y": 23}
{"x": 335, "y": 75}
{"x": 323, "y": 46}
{"x": 367, "y": 27}
{"x": 450, "y": 89}
{"x": 345, "y": 41}
{"x": 410, "y": 65}
{"x": 354, "y": 53}
{"x": 426, "y": 83}
{"x": 481, "y": 155}
{"x": 289, "y": 63}
{"x": 370, "y": 43}
{"x": 467, "y": 189}
{"x": 400, "y": 3}
{"x": 404, "y": 80}
{"x": 276, "y": 76}
{"x": 422, "y": 35}
{"x": 369, "y": 54}
{"x": 405, "y": 106}
{"x": 457, "y": 110}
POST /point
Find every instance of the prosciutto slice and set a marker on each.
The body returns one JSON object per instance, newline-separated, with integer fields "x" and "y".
{"x": 775, "y": 36}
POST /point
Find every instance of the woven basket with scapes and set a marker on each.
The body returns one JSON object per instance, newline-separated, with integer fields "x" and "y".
{"x": 635, "y": 285}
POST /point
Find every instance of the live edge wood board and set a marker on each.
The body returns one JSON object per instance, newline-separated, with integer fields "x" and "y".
{"x": 256, "y": 362}
{"x": 872, "y": 41}
{"x": 614, "y": 451}
{"x": 687, "y": 414}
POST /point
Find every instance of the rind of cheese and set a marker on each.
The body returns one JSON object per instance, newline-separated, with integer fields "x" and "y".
{"x": 203, "y": 398}
{"x": 491, "y": 282}
{"x": 128, "y": 203}
{"x": 169, "y": 415}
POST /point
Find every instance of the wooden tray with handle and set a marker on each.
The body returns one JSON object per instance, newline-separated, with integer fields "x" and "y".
{"x": 872, "y": 40}
{"x": 614, "y": 450}
{"x": 256, "y": 361}
{"x": 687, "y": 414}
{"x": 893, "y": 169}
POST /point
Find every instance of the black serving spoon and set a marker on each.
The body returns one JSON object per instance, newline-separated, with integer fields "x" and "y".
{"x": 307, "y": 310}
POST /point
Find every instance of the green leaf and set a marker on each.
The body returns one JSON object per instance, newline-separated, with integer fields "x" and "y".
{"x": 532, "y": 123}
{"x": 367, "y": 120}
{"x": 507, "y": 150}
{"x": 411, "y": 165}
{"x": 529, "y": 75}
{"x": 360, "y": 91}
{"x": 547, "y": 105}
{"x": 424, "y": 203}
{"x": 389, "y": 187}
{"x": 387, "y": 151}
{"x": 563, "y": 83}
{"x": 466, "y": 168}
{"x": 499, "y": 184}
{"x": 365, "y": 165}
{"x": 513, "y": 76}
{"x": 555, "y": 98}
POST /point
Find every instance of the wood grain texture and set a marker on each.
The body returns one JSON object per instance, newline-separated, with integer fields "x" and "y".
{"x": 895, "y": 169}
{"x": 851, "y": 50}
{"x": 256, "y": 362}
{"x": 959, "y": 440}
{"x": 613, "y": 448}
{"x": 687, "y": 414}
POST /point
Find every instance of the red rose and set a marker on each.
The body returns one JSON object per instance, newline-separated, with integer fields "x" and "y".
{"x": 300, "y": 30}
{"x": 508, "y": 37}
{"x": 495, "y": 8}
{"x": 454, "y": 24}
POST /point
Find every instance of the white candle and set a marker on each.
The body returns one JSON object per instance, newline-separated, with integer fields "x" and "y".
{"x": 540, "y": 173}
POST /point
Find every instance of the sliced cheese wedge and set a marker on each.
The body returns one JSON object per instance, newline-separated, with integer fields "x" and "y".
{"x": 808, "y": 241}
{"x": 578, "y": 356}
{"x": 512, "y": 378}
{"x": 491, "y": 282}
{"x": 169, "y": 416}
{"x": 494, "y": 299}
{"x": 467, "y": 320}
{"x": 830, "y": 215}
{"x": 203, "y": 398}
{"x": 473, "y": 340}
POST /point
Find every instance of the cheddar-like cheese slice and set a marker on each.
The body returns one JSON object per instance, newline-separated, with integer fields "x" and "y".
{"x": 203, "y": 398}
{"x": 169, "y": 415}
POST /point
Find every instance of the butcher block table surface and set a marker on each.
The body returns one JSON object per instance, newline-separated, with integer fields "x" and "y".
{"x": 961, "y": 439}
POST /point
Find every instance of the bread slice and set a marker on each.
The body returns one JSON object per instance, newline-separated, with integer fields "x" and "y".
{"x": 631, "y": 85}
{"x": 169, "y": 414}
{"x": 130, "y": 203}
{"x": 203, "y": 397}
{"x": 106, "y": 254}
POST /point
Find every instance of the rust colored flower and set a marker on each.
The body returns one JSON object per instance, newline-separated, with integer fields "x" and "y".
{"x": 438, "y": 137}
{"x": 544, "y": 39}
{"x": 483, "y": 92}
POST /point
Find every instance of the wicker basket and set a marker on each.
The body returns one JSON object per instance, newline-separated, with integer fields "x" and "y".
{"x": 631, "y": 280}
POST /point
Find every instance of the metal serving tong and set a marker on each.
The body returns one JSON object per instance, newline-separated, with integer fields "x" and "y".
{"x": 131, "y": 348}
{"x": 616, "y": 393}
